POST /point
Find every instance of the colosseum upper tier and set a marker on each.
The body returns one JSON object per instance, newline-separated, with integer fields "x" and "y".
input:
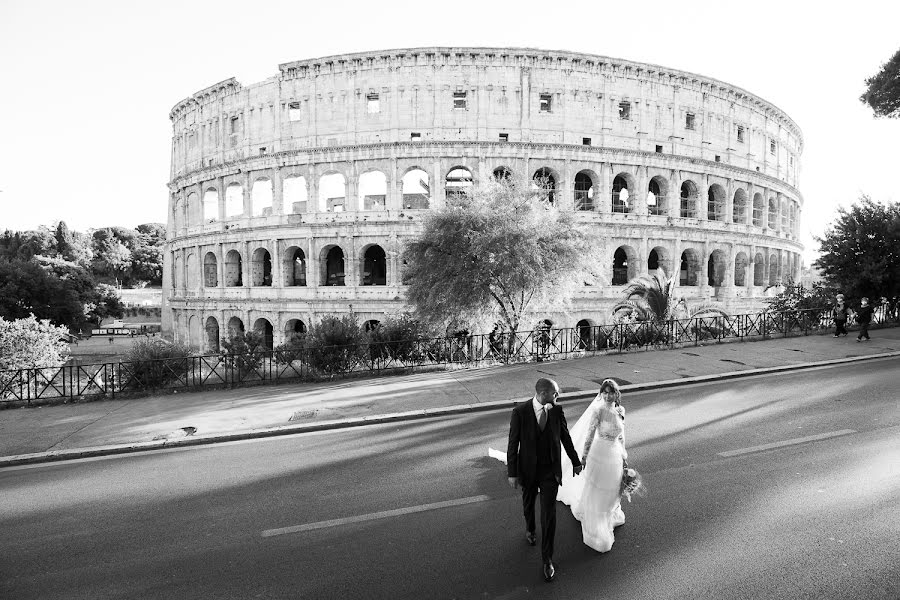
{"x": 292, "y": 198}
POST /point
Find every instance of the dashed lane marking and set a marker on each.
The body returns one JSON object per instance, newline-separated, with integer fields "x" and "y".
{"x": 791, "y": 442}
{"x": 374, "y": 516}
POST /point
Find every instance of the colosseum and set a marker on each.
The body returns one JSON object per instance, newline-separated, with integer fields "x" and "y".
{"x": 292, "y": 198}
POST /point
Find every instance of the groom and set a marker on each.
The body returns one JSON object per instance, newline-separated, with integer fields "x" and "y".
{"x": 533, "y": 459}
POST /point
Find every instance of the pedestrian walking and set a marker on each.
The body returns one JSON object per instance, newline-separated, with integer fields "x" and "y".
{"x": 864, "y": 317}
{"x": 839, "y": 315}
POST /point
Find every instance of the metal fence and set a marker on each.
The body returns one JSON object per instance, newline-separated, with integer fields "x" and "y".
{"x": 62, "y": 383}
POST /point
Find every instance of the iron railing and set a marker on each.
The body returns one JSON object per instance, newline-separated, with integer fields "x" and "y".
{"x": 72, "y": 382}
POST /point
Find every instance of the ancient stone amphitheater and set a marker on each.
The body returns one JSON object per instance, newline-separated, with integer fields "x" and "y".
{"x": 291, "y": 198}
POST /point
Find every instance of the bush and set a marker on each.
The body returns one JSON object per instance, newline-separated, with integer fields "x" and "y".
{"x": 27, "y": 343}
{"x": 245, "y": 351}
{"x": 806, "y": 306}
{"x": 336, "y": 344}
{"x": 400, "y": 337}
{"x": 291, "y": 350}
{"x": 156, "y": 362}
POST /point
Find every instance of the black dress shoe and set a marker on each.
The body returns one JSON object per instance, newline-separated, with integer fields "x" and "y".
{"x": 529, "y": 537}
{"x": 549, "y": 571}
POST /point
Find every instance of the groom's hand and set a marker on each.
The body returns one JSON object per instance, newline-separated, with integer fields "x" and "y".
{"x": 576, "y": 469}
{"x": 513, "y": 482}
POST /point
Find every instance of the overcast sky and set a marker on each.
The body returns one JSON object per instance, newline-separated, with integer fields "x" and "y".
{"x": 87, "y": 85}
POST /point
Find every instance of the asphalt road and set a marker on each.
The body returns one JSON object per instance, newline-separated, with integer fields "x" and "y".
{"x": 419, "y": 510}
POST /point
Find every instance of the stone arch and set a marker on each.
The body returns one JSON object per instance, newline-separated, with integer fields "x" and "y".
{"x": 212, "y": 334}
{"x": 178, "y": 214}
{"x": 739, "y": 206}
{"x": 235, "y": 327}
{"x": 784, "y": 270}
{"x": 234, "y": 200}
{"x": 261, "y": 268}
{"x": 261, "y": 197}
{"x": 457, "y": 182}
{"x": 502, "y": 173}
{"x": 793, "y": 218}
{"x": 657, "y": 195}
{"x": 193, "y": 209}
{"x": 715, "y": 203}
{"x": 264, "y": 327}
{"x": 624, "y": 267}
{"x": 416, "y": 190}
{"x": 585, "y": 335}
{"x": 332, "y": 192}
{"x": 194, "y": 333}
{"x": 688, "y": 199}
{"x": 715, "y": 268}
{"x": 659, "y": 258}
{"x": 585, "y": 186}
{"x": 759, "y": 209}
{"x": 374, "y": 266}
{"x": 759, "y": 269}
{"x": 294, "y": 195}
{"x": 233, "y": 269}
{"x": 179, "y": 273}
{"x": 773, "y": 269}
{"x": 689, "y": 270}
{"x": 294, "y": 267}
{"x": 192, "y": 275}
{"x": 211, "y": 205}
{"x": 783, "y": 210}
{"x": 332, "y": 261}
{"x": 740, "y": 269}
{"x": 210, "y": 270}
{"x": 371, "y": 325}
{"x": 772, "y": 220}
{"x": 372, "y": 191}
{"x": 622, "y": 197}
{"x": 293, "y": 329}
{"x": 546, "y": 180}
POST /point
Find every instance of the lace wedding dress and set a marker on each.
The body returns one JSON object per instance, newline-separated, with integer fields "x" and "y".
{"x": 594, "y": 494}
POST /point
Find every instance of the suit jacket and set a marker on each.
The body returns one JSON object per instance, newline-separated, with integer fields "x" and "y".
{"x": 521, "y": 453}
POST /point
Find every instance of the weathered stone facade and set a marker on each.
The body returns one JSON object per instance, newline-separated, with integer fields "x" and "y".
{"x": 670, "y": 168}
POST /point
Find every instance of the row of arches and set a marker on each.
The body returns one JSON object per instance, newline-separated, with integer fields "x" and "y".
{"x": 768, "y": 269}
{"x": 371, "y": 191}
{"x": 293, "y": 268}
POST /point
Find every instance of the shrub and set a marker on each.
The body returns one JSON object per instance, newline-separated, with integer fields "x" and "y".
{"x": 291, "y": 350}
{"x": 245, "y": 351}
{"x": 156, "y": 362}
{"x": 805, "y": 306}
{"x": 336, "y": 344}
{"x": 400, "y": 337}
{"x": 27, "y": 343}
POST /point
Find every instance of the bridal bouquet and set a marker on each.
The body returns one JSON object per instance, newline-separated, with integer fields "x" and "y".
{"x": 632, "y": 483}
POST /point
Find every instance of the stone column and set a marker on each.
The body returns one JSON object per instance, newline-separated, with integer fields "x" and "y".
{"x": 245, "y": 265}
{"x": 437, "y": 186}
{"x": 220, "y": 266}
{"x": 277, "y": 191}
{"x": 394, "y": 185}
{"x": 639, "y": 198}
{"x": 604, "y": 197}
{"x": 312, "y": 195}
{"x": 247, "y": 195}
{"x": 277, "y": 267}
{"x": 351, "y": 191}
{"x": 729, "y": 201}
{"x": 198, "y": 285}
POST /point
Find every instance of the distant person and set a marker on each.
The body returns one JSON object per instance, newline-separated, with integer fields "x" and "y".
{"x": 864, "y": 317}
{"x": 839, "y": 314}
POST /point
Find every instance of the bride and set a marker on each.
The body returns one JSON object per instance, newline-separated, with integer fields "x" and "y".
{"x": 594, "y": 494}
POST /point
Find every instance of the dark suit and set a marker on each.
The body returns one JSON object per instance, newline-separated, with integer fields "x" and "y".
{"x": 535, "y": 459}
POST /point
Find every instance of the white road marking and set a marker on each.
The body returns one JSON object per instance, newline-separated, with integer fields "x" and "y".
{"x": 374, "y": 516}
{"x": 791, "y": 442}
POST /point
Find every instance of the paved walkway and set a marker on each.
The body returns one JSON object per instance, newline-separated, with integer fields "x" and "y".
{"x": 122, "y": 425}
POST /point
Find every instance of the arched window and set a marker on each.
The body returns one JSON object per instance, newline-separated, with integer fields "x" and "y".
{"x": 584, "y": 191}
{"x": 739, "y": 207}
{"x": 295, "y": 197}
{"x": 332, "y": 193}
{"x": 715, "y": 269}
{"x": 416, "y": 191}
{"x": 212, "y": 335}
{"x": 211, "y": 206}
{"x": 235, "y": 327}
{"x": 759, "y": 208}
{"x": 773, "y": 269}
{"x": 294, "y": 329}
{"x": 621, "y": 200}
{"x": 759, "y": 270}
{"x": 620, "y": 267}
{"x": 261, "y": 198}
{"x": 773, "y": 214}
{"x": 584, "y": 332}
{"x": 233, "y": 270}
{"x": 294, "y": 267}
{"x": 334, "y": 267}
{"x": 656, "y": 196}
{"x": 502, "y": 174}
{"x": 234, "y": 200}
{"x": 740, "y": 269}
{"x": 261, "y": 268}
{"x": 715, "y": 204}
{"x": 210, "y": 270}
{"x": 264, "y": 328}
{"x": 457, "y": 183}
{"x": 544, "y": 180}
{"x": 373, "y": 191}
{"x": 374, "y": 266}
{"x": 689, "y": 196}
{"x": 689, "y": 271}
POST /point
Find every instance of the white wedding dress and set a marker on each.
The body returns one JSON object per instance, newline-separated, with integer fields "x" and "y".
{"x": 593, "y": 495}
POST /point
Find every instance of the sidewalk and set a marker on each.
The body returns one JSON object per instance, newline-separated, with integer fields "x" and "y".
{"x": 40, "y": 434}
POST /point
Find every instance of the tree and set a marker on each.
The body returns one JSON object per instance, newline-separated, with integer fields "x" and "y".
{"x": 64, "y": 241}
{"x": 652, "y": 297}
{"x": 112, "y": 257}
{"x": 883, "y": 89}
{"x": 26, "y": 288}
{"x": 860, "y": 251}
{"x": 29, "y": 342}
{"x": 494, "y": 254}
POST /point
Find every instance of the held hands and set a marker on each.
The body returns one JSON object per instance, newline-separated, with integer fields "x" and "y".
{"x": 576, "y": 469}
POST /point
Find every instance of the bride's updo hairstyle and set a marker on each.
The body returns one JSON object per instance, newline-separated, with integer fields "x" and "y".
{"x": 610, "y": 385}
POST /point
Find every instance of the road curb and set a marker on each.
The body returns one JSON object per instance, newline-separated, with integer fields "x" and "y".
{"x": 282, "y": 430}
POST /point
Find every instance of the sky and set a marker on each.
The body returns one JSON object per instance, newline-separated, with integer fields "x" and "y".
{"x": 86, "y": 87}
